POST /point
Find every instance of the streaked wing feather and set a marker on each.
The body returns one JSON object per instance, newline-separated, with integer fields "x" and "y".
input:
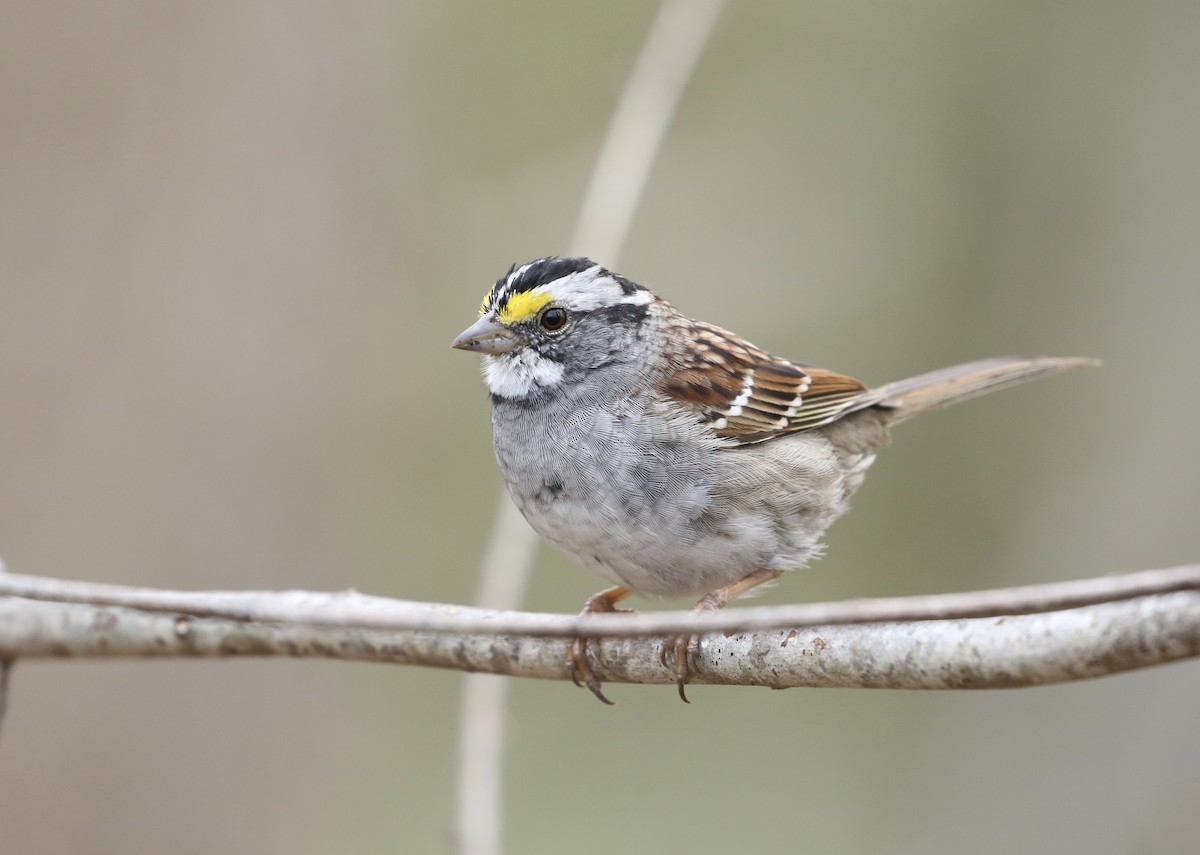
{"x": 749, "y": 396}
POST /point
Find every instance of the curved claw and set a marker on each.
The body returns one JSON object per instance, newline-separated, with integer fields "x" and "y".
{"x": 577, "y": 662}
{"x": 684, "y": 649}
{"x": 577, "y": 658}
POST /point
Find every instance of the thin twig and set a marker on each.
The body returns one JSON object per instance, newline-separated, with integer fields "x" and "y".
{"x": 6, "y": 668}
{"x": 635, "y": 134}
{"x": 639, "y": 124}
{"x": 352, "y": 609}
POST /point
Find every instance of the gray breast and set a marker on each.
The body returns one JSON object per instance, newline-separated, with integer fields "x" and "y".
{"x": 614, "y": 485}
{"x": 638, "y": 491}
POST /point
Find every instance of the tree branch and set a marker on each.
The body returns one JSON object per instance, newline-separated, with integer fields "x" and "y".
{"x": 1151, "y": 618}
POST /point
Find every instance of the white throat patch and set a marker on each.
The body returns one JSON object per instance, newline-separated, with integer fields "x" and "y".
{"x": 516, "y": 374}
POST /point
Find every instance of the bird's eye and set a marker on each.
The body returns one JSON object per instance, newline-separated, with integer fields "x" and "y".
{"x": 553, "y": 319}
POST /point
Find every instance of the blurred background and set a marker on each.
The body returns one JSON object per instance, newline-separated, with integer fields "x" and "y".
{"x": 237, "y": 238}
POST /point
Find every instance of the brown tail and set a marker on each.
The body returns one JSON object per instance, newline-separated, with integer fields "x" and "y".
{"x": 937, "y": 389}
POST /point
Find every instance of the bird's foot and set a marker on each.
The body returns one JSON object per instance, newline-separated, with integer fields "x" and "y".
{"x": 578, "y": 665}
{"x": 681, "y": 652}
{"x": 684, "y": 649}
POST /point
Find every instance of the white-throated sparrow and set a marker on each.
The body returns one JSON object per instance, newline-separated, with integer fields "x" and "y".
{"x": 671, "y": 456}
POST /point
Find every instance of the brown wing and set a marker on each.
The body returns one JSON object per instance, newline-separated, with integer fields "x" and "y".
{"x": 748, "y": 395}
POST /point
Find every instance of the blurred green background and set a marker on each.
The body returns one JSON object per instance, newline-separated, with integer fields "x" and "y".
{"x": 237, "y": 238}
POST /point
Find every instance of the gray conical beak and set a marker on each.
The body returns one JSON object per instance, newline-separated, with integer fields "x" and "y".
{"x": 487, "y": 336}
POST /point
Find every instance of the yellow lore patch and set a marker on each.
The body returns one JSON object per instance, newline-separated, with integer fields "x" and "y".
{"x": 523, "y": 306}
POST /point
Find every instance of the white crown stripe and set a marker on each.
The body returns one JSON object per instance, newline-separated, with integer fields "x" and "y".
{"x": 582, "y": 291}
